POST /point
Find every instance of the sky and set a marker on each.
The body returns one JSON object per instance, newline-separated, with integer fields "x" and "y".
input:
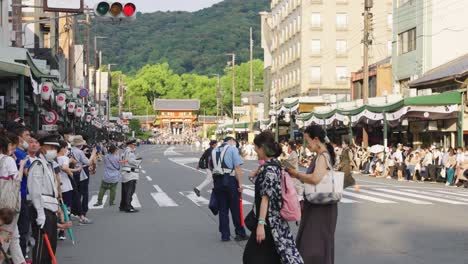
{"x": 146, "y": 6}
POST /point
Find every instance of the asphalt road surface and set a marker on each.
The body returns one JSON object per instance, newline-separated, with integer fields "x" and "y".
{"x": 387, "y": 222}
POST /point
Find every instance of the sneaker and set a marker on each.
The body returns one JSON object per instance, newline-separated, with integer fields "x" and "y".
{"x": 447, "y": 184}
{"x": 61, "y": 235}
{"x": 196, "y": 191}
{"x": 97, "y": 204}
{"x": 85, "y": 221}
{"x": 225, "y": 239}
{"x": 389, "y": 178}
{"x": 241, "y": 237}
{"x": 74, "y": 216}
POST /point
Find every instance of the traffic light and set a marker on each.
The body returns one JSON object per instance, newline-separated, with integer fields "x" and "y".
{"x": 115, "y": 10}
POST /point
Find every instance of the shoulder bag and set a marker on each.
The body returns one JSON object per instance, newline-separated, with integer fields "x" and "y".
{"x": 329, "y": 190}
{"x": 9, "y": 190}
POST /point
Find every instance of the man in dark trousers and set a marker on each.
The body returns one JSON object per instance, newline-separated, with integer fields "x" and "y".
{"x": 204, "y": 164}
{"x": 130, "y": 176}
{"x": 227, "y": 177}
{"x": 43, "y": 192}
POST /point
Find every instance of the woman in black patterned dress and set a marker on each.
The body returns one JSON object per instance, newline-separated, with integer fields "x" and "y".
{"x": 272, "y": 241}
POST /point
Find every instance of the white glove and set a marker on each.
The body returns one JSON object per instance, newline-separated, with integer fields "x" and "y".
{"x": 41, "y": 220}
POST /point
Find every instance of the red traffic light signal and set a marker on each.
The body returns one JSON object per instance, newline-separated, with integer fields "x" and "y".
{"x": 115, "y": 10}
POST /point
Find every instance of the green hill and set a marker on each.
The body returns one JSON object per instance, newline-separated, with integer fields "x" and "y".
{"x": 190, "y": 42}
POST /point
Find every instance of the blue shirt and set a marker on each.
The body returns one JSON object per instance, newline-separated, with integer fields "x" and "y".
{"x": 21, "y": 155}
{"x": 232, "y": 158}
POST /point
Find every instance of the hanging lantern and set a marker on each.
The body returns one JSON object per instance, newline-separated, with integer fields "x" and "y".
{"x": 61, "y": 100}
{"x": 71, "y": 107}
{"x": 300, "y": 123}
{"x": 346, "y": 120}
{"x": 46, "y": 90}
{"x": 93, "y": 110}
{"x": 287, "y": 118}
{"x": 79, "y": 111}
{"x": 88, "y": 118}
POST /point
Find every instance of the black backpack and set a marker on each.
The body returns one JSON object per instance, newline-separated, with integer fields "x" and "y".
{"x": 203, "y": 162}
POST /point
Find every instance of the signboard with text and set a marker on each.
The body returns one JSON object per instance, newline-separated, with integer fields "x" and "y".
{"x": 69, "y": 6}
{"x": 49, "y": 127}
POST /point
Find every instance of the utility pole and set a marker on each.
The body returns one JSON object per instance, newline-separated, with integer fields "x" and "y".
{"x": 100, "y": 84}
{"x": 251, "y": 83}
{"x": 367, "y": 42}
{"x": 17, "y": 22}
{"x": 96, "y": 66}
{"x": 218, "y": 96}
{"x": 120, "y": 96}
{"x": 233, "y": 63}
{"x": 86, "y": 50}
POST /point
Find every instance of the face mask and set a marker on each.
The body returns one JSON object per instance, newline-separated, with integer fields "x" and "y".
{"x": 25, "y": 145}
{"x": 51, "y": 154}
{"x": 66, "y": 152}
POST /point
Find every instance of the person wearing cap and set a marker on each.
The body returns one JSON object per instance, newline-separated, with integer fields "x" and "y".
{"x": 130, "y": 175}
{"x": 44, "y": 193}
{"x": 81, "y": 179}
{"x": 227, "y": 179}
{"x": 204, "y": 164}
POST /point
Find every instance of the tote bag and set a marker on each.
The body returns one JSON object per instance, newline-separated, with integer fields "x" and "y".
{"x": 9, "y": 190}
{"x": 329, "y": 190}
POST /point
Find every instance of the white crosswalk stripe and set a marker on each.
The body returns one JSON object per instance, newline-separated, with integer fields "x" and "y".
{"x": 135, "y": 201}
{"x": 162, "y": 199}
{"x": 447, "y": 196}
{"x": 199, "y": 201}
{"x": 346, "y": 200}
{"x": 94, "y": 200}
{"x": 366, "y": 197}
{"x": 424, "y": 197}
{"x": 244, "y": 201}
{"x": 453, "y": 193}
{"x": 400, "y": 198}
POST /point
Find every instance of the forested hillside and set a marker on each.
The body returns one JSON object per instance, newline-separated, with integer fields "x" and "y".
{"x": 188, "y": 42}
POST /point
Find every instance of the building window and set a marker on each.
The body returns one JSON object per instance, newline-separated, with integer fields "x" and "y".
{"x": 315, "y": 74}
{"x": 315, "y": 46}
{"x": 316, "y": 20}
{"x": 341, "y": 47}
{"x": 389, "y": 47}
{"x": 407, "y": 41}
{"x": 341, "y": 74}
{"x": 342, "y": 21}
{"x": 390, "y": 21}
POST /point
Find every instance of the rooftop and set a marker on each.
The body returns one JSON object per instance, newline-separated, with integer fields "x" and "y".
{"x": 176, "y": 104}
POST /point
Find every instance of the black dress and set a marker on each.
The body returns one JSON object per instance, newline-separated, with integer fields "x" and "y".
{"x": 279, "y": 245}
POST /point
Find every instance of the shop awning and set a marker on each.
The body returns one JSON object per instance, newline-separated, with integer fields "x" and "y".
{"x": 9, "y": 69}
{"x": 448, "y": 98}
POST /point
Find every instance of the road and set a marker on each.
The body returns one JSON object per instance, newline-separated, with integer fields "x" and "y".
{"x": 387, "y": 222}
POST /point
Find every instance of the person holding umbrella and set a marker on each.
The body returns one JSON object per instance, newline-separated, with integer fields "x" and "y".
{"x": 130, "y": 175}
{"x": 43, "y": 191}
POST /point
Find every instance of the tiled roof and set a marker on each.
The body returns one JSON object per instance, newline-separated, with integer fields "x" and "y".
{"x": 209, "y": 119}
{"x": 450, "y": 70}
{"x": 176, "y": 104}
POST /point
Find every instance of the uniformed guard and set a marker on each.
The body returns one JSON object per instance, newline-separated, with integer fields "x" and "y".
{"x": 130, "y": 175}
{"x": 43, "y": 192}
{"x": 227, "y": 177}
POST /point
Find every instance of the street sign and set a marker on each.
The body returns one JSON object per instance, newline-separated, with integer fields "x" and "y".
{"x": 83, "y": 93}
{"x": 70, "y": 6}
{"x": 49, "y": 127}
{"x": 96, "y": 124}
{"x": 50, "y": 117}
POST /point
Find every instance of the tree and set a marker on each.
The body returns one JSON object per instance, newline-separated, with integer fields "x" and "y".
{"x": 134, "y": 125}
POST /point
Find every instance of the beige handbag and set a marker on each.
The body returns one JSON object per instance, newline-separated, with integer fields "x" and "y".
{"x": 9, "y": 190}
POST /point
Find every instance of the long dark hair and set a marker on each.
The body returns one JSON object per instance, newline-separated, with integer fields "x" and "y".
{"x": 4, "y": 141}
{"x": 318, "y": 132}
{"x": 266, "y": 140}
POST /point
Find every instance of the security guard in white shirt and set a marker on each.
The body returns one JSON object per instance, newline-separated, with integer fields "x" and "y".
{"x": 43, "y": 192}
{"x": 130, "y": 175}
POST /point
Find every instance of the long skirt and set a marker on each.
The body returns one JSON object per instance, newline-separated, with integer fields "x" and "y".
{"x": 263, "y": 253}
{"x": 316, "y": 235}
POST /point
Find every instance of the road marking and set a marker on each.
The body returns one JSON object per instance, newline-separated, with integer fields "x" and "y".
{"x": 453, "y": 193}
{"x": 366, "y": 197}
{"x": 149, "y": 178}
{"x": 162, "y": 199}
{"x": 94, "y": 201}
{"x": 170, "y": 152}
{"x": 438, "y": 195}
{"x": 135, "y": 202}
{"x": 346, "y": 200}
{"x": 244, "y": 202}
{"x": 248, "y": 192}
{"x": 430, "y": 198}
{"x": 414, "y": 201}
{"x": 199, "y": 201}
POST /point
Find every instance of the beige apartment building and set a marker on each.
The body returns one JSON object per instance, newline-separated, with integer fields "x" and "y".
{"x": 312, "y": 46}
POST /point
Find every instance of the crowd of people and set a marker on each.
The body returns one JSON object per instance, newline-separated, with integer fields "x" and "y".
{"x": 44, "y": 180}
